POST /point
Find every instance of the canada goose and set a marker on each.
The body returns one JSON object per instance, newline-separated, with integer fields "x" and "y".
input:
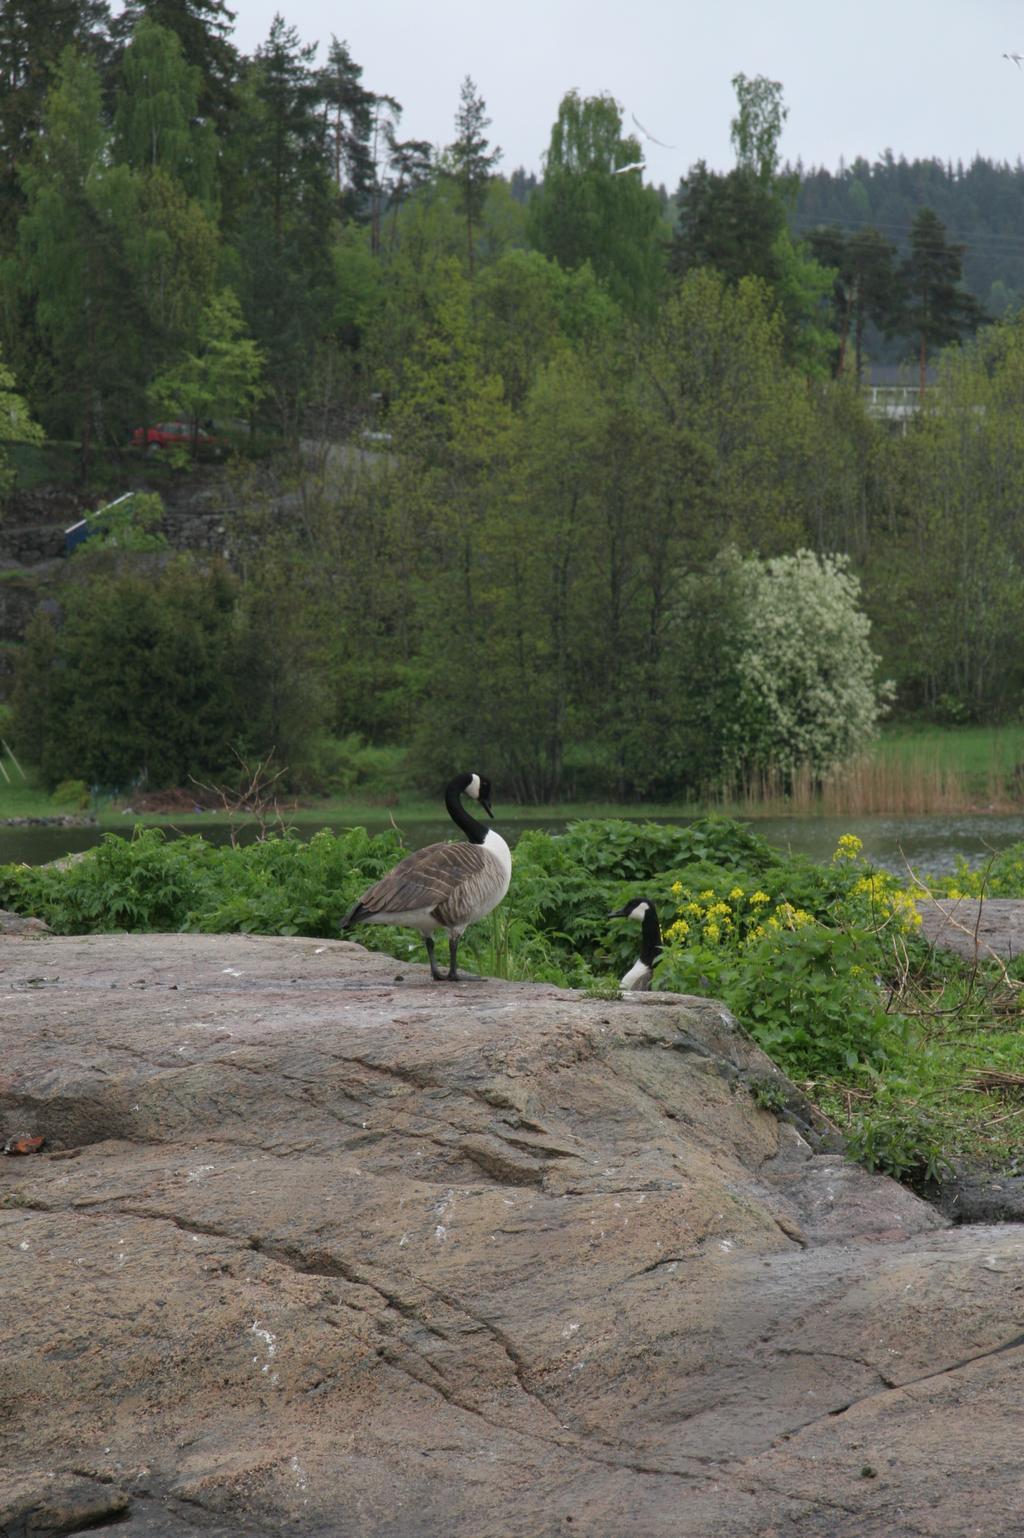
{"x": 445, "y": 886}
{"x": 638, "y": 978}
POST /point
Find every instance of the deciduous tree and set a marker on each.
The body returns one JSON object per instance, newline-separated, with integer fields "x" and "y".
{"x": 221, "y": 378}
{"x": 203, "y": 28}
{"x": 593, "y": 207}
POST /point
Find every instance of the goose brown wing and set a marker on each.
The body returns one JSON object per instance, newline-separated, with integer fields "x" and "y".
{"x": 425, "y": 879}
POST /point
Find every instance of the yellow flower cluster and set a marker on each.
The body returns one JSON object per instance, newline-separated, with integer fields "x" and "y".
{"x": 849, "y": 847}
{"x": 887, "y": 900}
{"x": 740, "y": 917}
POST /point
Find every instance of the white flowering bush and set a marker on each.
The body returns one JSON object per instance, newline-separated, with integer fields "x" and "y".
{"x": 797, "y": 685}
{"x": 808, "y": 690}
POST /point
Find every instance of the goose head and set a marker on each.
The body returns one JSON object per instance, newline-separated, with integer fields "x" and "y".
{"x": 637, "y": 908}
{"x": 477, "y": 788}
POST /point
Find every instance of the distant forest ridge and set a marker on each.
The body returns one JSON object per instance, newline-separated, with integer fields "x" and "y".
{"x": 980, "y": 204}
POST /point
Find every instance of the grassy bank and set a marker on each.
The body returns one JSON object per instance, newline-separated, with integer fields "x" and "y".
{"x": 910, "y": 771}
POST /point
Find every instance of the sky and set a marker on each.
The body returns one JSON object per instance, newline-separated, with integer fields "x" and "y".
{"x": 924, "y": 78}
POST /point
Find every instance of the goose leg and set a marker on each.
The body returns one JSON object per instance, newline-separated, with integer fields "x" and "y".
{"x": 435, "y": 971}
{"x": 453, "y": 972}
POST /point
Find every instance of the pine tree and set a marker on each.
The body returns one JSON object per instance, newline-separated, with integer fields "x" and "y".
{"x": 472, "y": 160}
{"x": 348, "y": 114}
{"x": 70, "y": 258}
{"x": 865, "y": 285}
{"x": 936, "y": 310}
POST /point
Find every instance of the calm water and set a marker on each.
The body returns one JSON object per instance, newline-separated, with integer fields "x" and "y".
{"x": 928, "y": 843}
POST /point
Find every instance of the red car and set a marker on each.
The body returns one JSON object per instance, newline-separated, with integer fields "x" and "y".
{"x": 170, "y": 435}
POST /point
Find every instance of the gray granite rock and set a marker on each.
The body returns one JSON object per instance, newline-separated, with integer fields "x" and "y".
{"x": 317, "y": 1246}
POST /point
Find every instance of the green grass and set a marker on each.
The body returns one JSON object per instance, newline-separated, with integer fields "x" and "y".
{"x": 973, "y": 751}
{"x": 19, "y": 800}
{"x": 913, "y": 770}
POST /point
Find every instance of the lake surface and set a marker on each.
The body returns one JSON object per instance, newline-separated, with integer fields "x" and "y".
{"x": 927, "y": 843}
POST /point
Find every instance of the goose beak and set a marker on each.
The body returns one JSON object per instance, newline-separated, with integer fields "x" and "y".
{"x": 487, "y": 807}
{"x": 620, "y": 913}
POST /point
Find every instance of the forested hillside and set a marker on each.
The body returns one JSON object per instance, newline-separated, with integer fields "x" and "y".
{"x": 580, "y": 480}
{"x": 981, "y": 206}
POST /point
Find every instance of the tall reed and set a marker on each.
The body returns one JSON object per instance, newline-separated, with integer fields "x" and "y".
{"x": 913, "y": 782}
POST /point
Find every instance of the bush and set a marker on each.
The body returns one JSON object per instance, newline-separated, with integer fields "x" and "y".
{"x": 278, "y": 887}
{"x": 137, "y": 682}
{"x": 790, "y": 681}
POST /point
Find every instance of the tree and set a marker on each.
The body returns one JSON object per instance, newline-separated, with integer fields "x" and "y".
{"x": 277, "y": 213}
{"x": 865, "y": 286}
{"x": 71, "y": 261}
{"x": 472, "y": 160}
{"x": 348, "y": 114}
{"x": 737, "y": 223}
{"x": 953, "y": 551}
{"x": 757, "y": 126}
{"x": 155, "y": 119}
{"x": 729, "y": 222}
{"x": 16, "y": 425}
{"x": 33, "y": 36}
{"x": 802, "y": 680}
{"x": 139, "y": 682}
{"x": 222, "y": 377}
{"x": 593, "y": 207}
{"x": 203, "y": 29}
{"x": 936, "y": 310}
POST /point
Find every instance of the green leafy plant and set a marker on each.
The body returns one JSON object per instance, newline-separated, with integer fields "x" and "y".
{"x": 908, "y": 1144}
{"x": 767, "y": 1094}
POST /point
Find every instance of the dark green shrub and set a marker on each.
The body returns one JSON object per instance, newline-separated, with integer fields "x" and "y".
{"x": 138, "y": 680}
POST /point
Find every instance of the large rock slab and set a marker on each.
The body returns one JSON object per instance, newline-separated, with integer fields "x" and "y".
{"x": 976, "y": 928}
{"x": 317, "y": 1246}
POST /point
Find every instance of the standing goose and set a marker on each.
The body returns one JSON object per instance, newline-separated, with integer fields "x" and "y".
{"x": 640, "y": 975}
{"x": 445, "y": 886}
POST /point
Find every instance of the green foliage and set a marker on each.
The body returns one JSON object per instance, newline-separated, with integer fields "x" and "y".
{"x": 138, "y": 681}
{"x": 961, "y": 470}
{"x": 756, "y": 128}
{"x": 1002, "y": 875}
{"x": 16, "y": 425}
{"x": 155, "y": 120}
{"x": 279, "y": 886}
{"x": 767, "y": 1094}
{"x": 591, "y": 210}
{"x": 221, "y": 378}
{"x": 806, "y": 677}
{"x": 905, "y": 1142}
{"x": 72, "y": 794}
{"x": 936, "y": 309}
{"x": 471, "y": 160}
{"x": 819, "y": 962}
{"x": 129, "y": 525}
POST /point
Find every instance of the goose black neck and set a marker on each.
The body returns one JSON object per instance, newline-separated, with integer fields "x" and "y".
{"x": 475, "y": 831}
{"x": 650, "y": 937}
